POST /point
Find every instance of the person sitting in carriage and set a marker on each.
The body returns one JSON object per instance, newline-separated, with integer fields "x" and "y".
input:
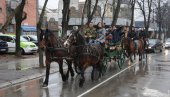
{"x": 90, "y": 33}
{"x": 101, "y": 34}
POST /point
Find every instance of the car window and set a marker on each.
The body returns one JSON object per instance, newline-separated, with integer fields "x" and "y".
{"x": 168, "y": 40}
{"x": 33, "y": 38}
{"x": 6, "y": 38}
{"x": 26, "y": 37}
{"x": 152, "y": 41}
{"x": 23, "y": 39}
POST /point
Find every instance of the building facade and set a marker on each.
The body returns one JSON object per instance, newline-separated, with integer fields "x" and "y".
{"x": 30, "y": 8}
{"x": 76, "y": 9}
{"x": 2, "y": 12}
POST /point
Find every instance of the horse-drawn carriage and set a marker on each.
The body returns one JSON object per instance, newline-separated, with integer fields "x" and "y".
{"x": 75, "y": 50}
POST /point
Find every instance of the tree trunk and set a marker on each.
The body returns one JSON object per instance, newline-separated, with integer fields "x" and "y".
{"x": 66, "y": 16}
{"x": 39, "y": 25}
{"x": 82, "y": 18}
{"x": 116, "y": 14}
{"x": 88, "y": 9}
{"x": 19, "y": 17}
{"x": 91, "y": 15}
{"x": 133, "y": 2}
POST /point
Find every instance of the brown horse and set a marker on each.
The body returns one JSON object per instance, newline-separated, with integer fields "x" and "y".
{"x": 86, "y": 55}
{"x": 140, "y": 48}
{"x": 129, "y": 47}
{"x": 55, "y": 51}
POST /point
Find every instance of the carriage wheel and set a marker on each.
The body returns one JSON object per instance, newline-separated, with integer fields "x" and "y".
{"x": 121, "y": 59}
{"x": 104, "y": 65}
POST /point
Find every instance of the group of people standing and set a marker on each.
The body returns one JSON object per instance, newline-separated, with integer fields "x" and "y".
{"x": 114, "y": 34}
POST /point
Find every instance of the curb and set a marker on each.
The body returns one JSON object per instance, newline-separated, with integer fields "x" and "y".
{"x": 27, "y": 78}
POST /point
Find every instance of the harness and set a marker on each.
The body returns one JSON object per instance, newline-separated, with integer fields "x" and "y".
{"x": 55, "y": 46}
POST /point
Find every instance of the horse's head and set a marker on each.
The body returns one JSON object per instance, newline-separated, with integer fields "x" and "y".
{"x": 47, "y": 38}
{"x": 74, "y": 38}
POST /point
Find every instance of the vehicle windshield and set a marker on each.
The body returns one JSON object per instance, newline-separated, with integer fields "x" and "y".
{"x": 168, "y": 40}
{"x": 152, "y": 41}
{"x": 33, "y": 38}
{"x": 23, "y": 39}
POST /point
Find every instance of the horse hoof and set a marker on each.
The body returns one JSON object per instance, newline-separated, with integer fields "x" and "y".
{"x": 81, "y": 83}
{"x": 72, "y": 75}
{"x": 44, "y": 85}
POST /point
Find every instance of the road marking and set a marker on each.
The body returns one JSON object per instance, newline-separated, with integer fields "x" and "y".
{"x": 89, "y": 90}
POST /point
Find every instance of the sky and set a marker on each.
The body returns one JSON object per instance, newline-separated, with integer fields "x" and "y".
{"x": 52, "y": 4}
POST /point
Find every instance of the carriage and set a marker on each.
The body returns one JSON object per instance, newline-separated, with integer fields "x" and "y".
{"x": 114, "y": 51}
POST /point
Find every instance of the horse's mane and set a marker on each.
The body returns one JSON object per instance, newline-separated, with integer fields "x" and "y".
{"x": 58, "y": 40}
{"x": 80, "y": 38}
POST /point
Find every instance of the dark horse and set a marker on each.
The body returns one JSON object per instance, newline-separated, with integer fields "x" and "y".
{"x": 55, "y": 51}
{"x": 86, "y": 55}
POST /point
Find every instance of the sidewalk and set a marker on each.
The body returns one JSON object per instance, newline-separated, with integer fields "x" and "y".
{"x": 15, "y": 70}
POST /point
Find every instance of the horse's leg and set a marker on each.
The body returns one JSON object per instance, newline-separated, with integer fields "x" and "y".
{"x": 140, "y": 55}
{"x": 82, "y": 79}
{"x": 134, "y": 53}
{"x": 69, "y": 62}
{"x": 130, "y": 56}
{"x": 60, "y": 62}
{"x": 45, "y": 84}
{"x": 92, "y": 73}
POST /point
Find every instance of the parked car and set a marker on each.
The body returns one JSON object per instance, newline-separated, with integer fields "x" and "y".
{"x": 167, "y": 43}
{"x": 3, "y": 47}
{"x": 31, "y": 38}
{"x": 155, "y": 44}
{"x": 26, "y": 46}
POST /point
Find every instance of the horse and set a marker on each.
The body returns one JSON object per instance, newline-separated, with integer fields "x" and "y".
{"x": 55, "y": 51}
{"x": 140, "y": 48}
{"x": 129, "y": 47}
{"x": 86, "y": 55}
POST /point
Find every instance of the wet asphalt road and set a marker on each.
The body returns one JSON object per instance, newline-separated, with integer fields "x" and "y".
{"x": 145, "y": 79}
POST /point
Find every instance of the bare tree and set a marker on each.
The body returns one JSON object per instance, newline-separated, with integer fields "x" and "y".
{"x": 89, "y": 13}
{"x": 8, "y": 20}
{"x": 116, "y": 13}
{"x": 132, "y": 3}
{"x": 20, "y": 15}
{"x": 82, "y": 18}
{"x": 102, "y": 17}
{"x": 168, "y": 24}
{"x": 39, "y": 25}
{"x": 146, "y": 8}
{"x": 66, "y": 16}
{"x": 161, "y": 11}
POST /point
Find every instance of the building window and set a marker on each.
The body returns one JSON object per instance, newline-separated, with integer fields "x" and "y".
{"x": 0, "y": 10}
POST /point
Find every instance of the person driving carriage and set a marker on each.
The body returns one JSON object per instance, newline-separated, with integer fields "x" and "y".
{"x": 90, "y": 33}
